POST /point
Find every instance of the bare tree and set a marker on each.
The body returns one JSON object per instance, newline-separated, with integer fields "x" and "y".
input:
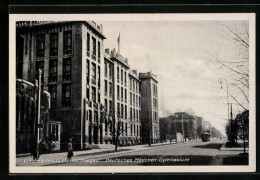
{"x": 235, "y": 66}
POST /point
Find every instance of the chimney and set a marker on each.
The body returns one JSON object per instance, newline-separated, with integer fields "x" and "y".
{"x": 135, "y": 71}
{"x": 107, "y": 50}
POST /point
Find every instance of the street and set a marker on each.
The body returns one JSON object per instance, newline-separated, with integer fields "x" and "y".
{"x": 189, "y": 153}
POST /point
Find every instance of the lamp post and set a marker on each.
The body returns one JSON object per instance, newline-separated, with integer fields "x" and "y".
{"x": 221, "y": 81}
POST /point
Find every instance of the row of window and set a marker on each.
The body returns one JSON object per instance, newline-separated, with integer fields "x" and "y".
{"x": 135, "y": 114}
{"x": 134, "y": 85}
{"x": 135, "y": 100}
{"x": 66, "y": 95}
{"x": 67, "y": 45}
{"x": 108, "y": 89}
{"x": 108, "y": 70}
{"x": 123, "y": 91}
{"x": 95, "y": 73}
{"x": 53, "y": 69}
{"x": 123, "y": 77}
{"x": 94, "y": 47}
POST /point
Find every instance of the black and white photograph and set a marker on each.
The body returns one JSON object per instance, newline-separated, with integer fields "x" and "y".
{"x": 107, "y": 93}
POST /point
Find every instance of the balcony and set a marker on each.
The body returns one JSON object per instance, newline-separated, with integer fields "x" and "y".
{"x": 105, "y": 93}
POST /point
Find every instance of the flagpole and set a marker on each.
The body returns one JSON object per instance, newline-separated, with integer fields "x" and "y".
{"x": 118, "y": 41}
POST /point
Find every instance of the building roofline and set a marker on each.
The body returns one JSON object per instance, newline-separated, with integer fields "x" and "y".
{"x": 50, "y": 23}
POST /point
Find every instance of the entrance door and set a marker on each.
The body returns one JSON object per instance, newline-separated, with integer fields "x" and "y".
{"x": 95, "y": 134}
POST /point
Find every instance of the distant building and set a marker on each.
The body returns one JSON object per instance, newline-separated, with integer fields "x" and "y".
{"x": 181, "y": 122}
{"x": 149, "y": 104}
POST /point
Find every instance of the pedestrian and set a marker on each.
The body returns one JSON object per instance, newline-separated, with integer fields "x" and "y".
{"x": 70, "y": 149}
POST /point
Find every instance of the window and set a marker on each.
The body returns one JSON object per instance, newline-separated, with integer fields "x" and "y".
{"x": 54, "y": 44}
{"x": 110, "y": 71}
{"x": 88, "y": 44}
{"x": 130, "y": 98}
{"x": 110, "y": 89}
{"x": 118, "y": 94}
{"x": 87, "y": 70}
{"x": 137, "y": 114}
{"x": 87, "y": 93}
{"x": 130, "y": 81}
{"x": 125, "y": 96}
{"x": 53, "y": 70}
{"x": 126, "y": 128}
{"x": 125, "y": 79}
{"x": 134, "y": 113}
{"x": 122, "y": 77}
{"x": 105, "y": 87}
{"x": 133, "y": 100}
{"x": 125, "y": 112}
{"x": 122, "y": 94}
{"x": 122, "y": 111}
{"x": 93, "y": 74}
{"x": 110, "y": 106}
{"x": 66, "y": 95}
{"x": 131, "y": 129}
{"x": 66, "y": 69}
{"x": 133, "y": 85}
{"x": 98, "y": 76}
{"x": 118, "y": 74}
{"x": 94, "y": 94}
{"x": 131, "y": 113}
{"x": 94, "y": 48}
{"x": 40, "y": 42}
{"x": 98, "y": 50}
{"x": 67, "y": 42}
{"x": 105, "y": 69}
{"x": 136, "y": 100}
{"x": 106, "y": 104}
{"x": 53, "y": 93}
{"x": 118, "y": 110}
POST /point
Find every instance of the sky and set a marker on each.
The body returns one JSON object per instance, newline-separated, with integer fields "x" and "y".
{"x": 177, "y": 51}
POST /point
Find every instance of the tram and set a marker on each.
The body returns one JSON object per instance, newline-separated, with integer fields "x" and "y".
{"x": 205, "y": 136}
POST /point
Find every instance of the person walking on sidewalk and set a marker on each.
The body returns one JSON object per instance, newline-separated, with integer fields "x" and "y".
{"x": 70, "y": 149}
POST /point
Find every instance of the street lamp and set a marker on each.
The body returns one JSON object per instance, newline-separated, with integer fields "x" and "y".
{"x": 221, "y": 81}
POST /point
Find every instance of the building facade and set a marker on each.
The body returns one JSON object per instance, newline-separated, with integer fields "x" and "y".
{"x": 69, "y": 55}
{"x": 149, "y": 106}
{"x": 90, "y": 87}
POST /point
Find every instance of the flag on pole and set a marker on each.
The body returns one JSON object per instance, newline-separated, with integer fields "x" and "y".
{"x": 118, "y": 39}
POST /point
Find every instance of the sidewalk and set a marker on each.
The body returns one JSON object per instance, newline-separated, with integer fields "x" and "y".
{"x": 230, "y": 156}
{"x": 58, "y": 158}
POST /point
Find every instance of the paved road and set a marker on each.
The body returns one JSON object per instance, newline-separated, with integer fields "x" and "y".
{"x": 190, "y": 153}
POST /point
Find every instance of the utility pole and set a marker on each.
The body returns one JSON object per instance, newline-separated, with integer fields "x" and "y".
{"x": 39, "y": 112}
{"x": 231, "y": 122}
{"x": 182, "y": 127}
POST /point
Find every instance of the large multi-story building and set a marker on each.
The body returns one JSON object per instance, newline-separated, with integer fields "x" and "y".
{"x": 149, "y": 106}
{"x": 90, "y": 87}
{"x": 69, "y": 54}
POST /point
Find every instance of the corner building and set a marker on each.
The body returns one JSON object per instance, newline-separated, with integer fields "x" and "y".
{"x": 70, "y": 56}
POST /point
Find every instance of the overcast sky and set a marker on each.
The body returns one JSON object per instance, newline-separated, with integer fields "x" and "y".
{"x": 177, "y": 52}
